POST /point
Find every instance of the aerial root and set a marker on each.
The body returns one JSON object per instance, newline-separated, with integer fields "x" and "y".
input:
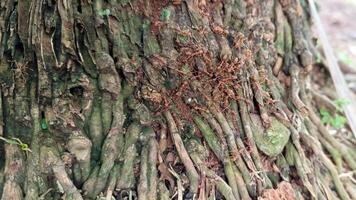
{"x": 259, "y": 95}
{"x": 233, "y": 150}
{"x": 241, "y": 185}
{"x": 323, "y": 101}
{"x": 147, "y": 186}
{"x": 224, "y": 188}
{"x": 325, "y": 134}
{"x": 104, "y": 153}
{"x": 322, "y": 186}
{"x": 224, "y": 157}
{"x": 300, "y": 167}
{"x": 316, "y": 147}
{"x": 249, "y": 136}
{"x": 109, "y": 151}
{"x": 80, "y": 146}
{"x": 182, "y": 152}
{"x": 58, "y": 169}
{"x": 235, "y": 123}
{"x": 335, "y": 154}
{"x": 350, "y": 186}
{"x": 12, "y": 186}
{"x": 295, "y": 88}
{"x": 112, "y": 181}
{"x": 163, "y": 192}
{"x": 129, "y": 157}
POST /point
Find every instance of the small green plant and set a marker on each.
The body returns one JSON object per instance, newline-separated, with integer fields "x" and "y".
{"x": 16, "y": 141}
{"x": 346, "y": 58}
{"x": 104, "y": 12}
{"x": 336, "y": 121}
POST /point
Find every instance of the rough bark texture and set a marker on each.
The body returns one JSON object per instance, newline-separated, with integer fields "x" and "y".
{"x": 151, "y": 99}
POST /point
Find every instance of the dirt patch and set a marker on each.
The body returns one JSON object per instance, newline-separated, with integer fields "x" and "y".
{"x": 338, "y": 18}
{"x": 284, "y": 191}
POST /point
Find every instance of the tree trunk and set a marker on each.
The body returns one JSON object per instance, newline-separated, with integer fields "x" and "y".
{"x": 151, "y": 99}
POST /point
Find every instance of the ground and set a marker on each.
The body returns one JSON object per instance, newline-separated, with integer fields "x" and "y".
{"x": 338, "y": 18}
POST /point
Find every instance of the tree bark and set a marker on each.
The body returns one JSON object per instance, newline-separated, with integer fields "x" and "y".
{"x": 149, "y": 99}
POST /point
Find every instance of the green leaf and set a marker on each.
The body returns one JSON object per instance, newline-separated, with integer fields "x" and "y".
{"x": 338, "y": 121}
{"x": 105, "y": 12}
{"x": 340, "y": 103}
{"x": 345, "y": 58}
{"x": 9, "y": 141}
{"x": 326, "y": 117}
{"x": 44, "y": 125}
{"x": 165, "y": 14}
{"x": 323, "y": 112}
{"x": 16, "y": 141}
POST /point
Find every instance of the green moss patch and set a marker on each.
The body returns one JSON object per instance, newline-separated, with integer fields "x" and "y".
{"x": 270, "y": 141}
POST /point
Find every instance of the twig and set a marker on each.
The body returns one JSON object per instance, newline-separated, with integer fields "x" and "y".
{"x": 179, "y": 183}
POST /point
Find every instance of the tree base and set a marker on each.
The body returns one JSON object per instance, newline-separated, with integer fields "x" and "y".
{"x": 157, "y": 100}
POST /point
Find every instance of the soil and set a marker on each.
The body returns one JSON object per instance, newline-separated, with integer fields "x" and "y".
{"x": 284, "y": 191}
{"x": 338, "y": 18}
